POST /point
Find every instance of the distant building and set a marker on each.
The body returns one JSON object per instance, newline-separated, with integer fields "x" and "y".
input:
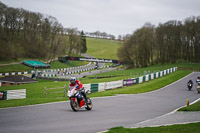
{"x": 16, "y": 80}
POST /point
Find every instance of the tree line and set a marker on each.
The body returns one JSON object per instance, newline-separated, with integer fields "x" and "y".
{"x": 25, "y": 34}
{"x": 168, "y": 42}
{"x": 99, "y": 34}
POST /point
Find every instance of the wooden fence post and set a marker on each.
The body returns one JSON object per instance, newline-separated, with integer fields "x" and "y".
{"x": 44, "y": 91}
{"x": 64, "y": 90}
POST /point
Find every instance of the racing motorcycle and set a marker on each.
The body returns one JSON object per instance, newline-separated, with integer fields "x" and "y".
{"x": 198, "y": 89}
{"x": 77, "y": 100}
{"x": 189, "y": 86}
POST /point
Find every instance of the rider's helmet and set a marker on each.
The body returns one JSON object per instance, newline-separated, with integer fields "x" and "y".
{"x": 73, "y": 80}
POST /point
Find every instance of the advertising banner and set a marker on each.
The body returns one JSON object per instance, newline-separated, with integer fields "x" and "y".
{"x": 113, "y": 84}
{"x": 140, "y": 79}
{"x": 3, "y": 95}
{"x": 129, "y": 82}
{"x": 64, "y": 59}
{"x": 146, "y": 77}
{"x": 157, "y": 74}
{"x": 87, "y": 87}
{"x": 152, "y": 76}
{"x": 16, "y": 94}
{"x": 165, "y": 71}
{"x": 102, "y": 86}
{"x": 110, "y": 85}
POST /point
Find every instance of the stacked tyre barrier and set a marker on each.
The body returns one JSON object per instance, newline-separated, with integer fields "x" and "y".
{"x": 65, "y": 69}
{"x": 49, "y": 70}
{"x": 68, "y": 72}
{"x": 16, "y": 73}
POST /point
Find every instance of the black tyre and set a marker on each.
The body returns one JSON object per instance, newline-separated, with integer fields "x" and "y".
{"x": 74, "y": 105}
{"x": 89, "y": 104}
{"x": 198, "y": 89}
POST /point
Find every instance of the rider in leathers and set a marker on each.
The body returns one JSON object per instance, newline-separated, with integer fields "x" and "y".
{"x": 79, "y": 86}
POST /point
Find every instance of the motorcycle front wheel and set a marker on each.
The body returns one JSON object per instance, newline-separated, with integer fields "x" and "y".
{"x": 74, "y": 105}
{"x": 89, "y": 104}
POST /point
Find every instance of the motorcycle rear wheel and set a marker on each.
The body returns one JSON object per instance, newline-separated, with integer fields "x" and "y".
{"x": 74, "y": 105}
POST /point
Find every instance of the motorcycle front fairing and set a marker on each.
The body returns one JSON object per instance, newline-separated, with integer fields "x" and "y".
{"x": 76, "y": 95}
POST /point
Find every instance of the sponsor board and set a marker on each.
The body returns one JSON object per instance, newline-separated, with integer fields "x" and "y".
{"x": 1, "y": 95}
{"x": 102, "y": 86}
{"x": 129, "y": 82}
{"x": 110, "y": 85}
{"x": 16, "y": 94}
{"x": 87, "y": 87}
{"x": 114, "y": 84}
{"x": 64, "y": 59}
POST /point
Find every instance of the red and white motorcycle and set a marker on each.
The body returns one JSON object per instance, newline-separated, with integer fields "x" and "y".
{"x": 77, "y": 100}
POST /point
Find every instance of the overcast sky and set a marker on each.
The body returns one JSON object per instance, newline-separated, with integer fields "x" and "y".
{"x": 117, "y": 17}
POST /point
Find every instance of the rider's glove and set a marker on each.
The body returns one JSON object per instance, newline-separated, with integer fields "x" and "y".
{"x": 77, "y": 87}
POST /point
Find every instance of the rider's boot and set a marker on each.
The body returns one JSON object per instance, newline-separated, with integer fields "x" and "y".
{"x": 85, "y": 97}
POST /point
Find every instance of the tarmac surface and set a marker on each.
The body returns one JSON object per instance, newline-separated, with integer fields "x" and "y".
{"x": 121, "y": 110}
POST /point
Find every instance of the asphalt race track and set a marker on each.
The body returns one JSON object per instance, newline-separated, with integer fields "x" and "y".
{"x": 108, "y": 112}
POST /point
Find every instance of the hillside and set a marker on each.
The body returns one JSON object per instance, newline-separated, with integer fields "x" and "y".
{"x": 102, "y": 48}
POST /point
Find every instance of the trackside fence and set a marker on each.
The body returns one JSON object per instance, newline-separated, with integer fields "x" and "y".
{"x": 96, "y": 87}
{"x": 56, "y": 90}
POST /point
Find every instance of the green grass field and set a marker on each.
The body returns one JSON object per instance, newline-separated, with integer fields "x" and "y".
{"x": 102, "y": 48}
{"x": 179, "y": 128}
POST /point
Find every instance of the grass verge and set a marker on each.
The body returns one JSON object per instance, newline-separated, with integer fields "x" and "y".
{"x": 193, "y": 107}
{"x": 178, "y": 128}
